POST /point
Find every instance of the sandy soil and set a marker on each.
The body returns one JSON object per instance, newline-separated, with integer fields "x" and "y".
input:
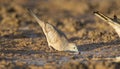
{"x": 24, "y": 46}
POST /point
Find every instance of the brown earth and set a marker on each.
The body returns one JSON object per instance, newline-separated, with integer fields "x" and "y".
{"x": 24, "y": 46}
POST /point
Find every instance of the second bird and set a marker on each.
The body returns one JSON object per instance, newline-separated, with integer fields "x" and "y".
{"x": 113, "y": 22}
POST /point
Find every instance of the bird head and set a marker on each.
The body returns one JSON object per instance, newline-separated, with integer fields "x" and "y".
{"x": 72, "y": 47}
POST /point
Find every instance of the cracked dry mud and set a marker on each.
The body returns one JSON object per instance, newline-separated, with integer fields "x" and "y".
{"x": 23, "y": 44}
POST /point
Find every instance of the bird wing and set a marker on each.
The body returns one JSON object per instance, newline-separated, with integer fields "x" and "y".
{"x": 52, "y": 35}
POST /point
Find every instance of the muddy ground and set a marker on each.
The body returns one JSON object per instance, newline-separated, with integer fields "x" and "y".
{"x": 24, "y": 46}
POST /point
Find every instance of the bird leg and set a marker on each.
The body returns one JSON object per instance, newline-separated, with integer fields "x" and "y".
{"x": 50, "y": 48}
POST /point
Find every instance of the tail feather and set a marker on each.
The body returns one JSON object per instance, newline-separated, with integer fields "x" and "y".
{"x": 105, "y": 18}
{"x": 41, "y": 23}
{"x": 110, "y": 21}
{"x": 102, "y": 16}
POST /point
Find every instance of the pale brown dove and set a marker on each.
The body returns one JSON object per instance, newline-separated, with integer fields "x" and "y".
{"x": 55, "y": 38}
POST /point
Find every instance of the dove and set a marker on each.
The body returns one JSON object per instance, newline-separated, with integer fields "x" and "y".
{"x": 113, "y": 22}
{"x": 55, "y": 38}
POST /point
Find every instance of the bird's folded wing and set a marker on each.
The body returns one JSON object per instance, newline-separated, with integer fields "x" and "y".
{"x": 51, "y": 34}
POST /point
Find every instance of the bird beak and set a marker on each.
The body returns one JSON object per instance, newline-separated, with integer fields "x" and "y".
{"x": 77, "y": 52}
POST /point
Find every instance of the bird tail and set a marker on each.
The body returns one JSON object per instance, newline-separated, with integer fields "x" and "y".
{"x": 41, "y": 23}
{"x": 110, "y": 21}
{"x": 102, "y": 16}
